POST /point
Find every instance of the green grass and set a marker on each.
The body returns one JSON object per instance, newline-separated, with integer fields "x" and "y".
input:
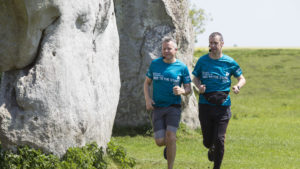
{"x": 264, "y": 132}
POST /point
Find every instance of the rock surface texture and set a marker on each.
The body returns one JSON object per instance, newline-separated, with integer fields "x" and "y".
{"x": 142, "y": 24}
{"x": 61, "y": 83}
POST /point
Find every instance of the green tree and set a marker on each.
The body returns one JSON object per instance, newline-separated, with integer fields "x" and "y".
{"x": 199, "y": 19}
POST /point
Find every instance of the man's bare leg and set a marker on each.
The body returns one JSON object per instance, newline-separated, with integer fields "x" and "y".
{"x": 171, "y": 148}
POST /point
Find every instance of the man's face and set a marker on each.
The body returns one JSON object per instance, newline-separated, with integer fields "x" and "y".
{"x": 168, "y": 50}
{"x": 215, "y": 44}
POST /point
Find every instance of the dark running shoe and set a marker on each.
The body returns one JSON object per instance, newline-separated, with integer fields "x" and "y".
{"x": 210, "y": 153}
{"x": 165, "y": 152}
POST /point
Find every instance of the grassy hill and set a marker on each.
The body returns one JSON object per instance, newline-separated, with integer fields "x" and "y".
{"x": 264, "y": 132}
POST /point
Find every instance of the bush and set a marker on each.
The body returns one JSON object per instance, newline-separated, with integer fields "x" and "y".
{"x": 27, "y": 158}
{"x": 119, "y": 155}
{"x": 87, "y": 157}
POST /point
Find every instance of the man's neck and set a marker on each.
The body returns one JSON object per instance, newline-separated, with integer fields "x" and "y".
{"x": 171, "y": 60}
{"x": 215, "y": 55}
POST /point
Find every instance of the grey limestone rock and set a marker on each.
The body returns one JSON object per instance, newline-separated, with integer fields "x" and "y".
{"x": 61, "y": 83}
{"x": 142, "y": 24}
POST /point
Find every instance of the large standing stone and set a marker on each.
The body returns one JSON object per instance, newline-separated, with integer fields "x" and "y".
{"x": 61, "y": 85}
{"x": 142, "y": 24}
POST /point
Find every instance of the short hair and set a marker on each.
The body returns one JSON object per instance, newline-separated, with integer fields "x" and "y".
{"x": 169, "y": 39}
{"x": 212, "y": 35}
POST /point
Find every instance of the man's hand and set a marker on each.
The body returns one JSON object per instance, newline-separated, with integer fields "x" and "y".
{"x": 149, "y": 104}
{"x": 236, "y": 89}
{"x": 148, "y": 100}
{"x": 201, "y": 88}
{"x": 178, "y": 90}
{"x": 241, "y": 82}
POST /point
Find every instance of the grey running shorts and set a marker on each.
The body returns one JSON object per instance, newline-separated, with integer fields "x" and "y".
{"x": 165, "y": 118}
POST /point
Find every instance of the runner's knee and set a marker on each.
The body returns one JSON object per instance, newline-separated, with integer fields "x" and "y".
{"x": 171, "y": 136}
{"x": 220, "y": 141}
{"x": 160, "y": 142}
{"x": 207, "y": 143}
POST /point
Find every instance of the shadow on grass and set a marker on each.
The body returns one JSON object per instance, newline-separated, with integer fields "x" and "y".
{"x": 145, "y": 130}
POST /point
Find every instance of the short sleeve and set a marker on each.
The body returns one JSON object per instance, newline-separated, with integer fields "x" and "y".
{"x": 149, "y": 72}
{"x": 237, "y": 71}
{"x": 186, "y": 76}
{"x": 196, "y": 72}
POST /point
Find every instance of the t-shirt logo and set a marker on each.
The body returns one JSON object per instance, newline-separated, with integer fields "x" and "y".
{"x": 167, "y": 78}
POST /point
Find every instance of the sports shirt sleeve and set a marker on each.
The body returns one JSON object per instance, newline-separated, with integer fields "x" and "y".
{"x": 186, "y": 76}
{"x": 149, "y": 72}
{"x": 237, "y": 71}
{"x": 196, "y": 72}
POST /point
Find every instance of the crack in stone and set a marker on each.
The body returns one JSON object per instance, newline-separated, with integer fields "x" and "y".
{"x": 33, "y": 63}
{"x": 100, "y": 24}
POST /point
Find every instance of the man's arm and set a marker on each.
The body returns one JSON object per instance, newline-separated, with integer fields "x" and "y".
{"x": 241, "y": 82}
{"x": 198, "y": 84}
{"x": 187, "y": 89}
{"x": 149, "y": 101}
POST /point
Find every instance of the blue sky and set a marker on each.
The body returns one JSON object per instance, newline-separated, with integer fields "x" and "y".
{"x": 252, "y": 23}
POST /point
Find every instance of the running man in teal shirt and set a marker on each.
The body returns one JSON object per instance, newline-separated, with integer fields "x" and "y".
{"x": 167, "y": 75}
{"x": 212, "y": 76}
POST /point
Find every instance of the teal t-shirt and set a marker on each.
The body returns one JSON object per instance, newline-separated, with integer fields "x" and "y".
{"x": 165, "y": 76}
{"x": 216, "y": 75}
